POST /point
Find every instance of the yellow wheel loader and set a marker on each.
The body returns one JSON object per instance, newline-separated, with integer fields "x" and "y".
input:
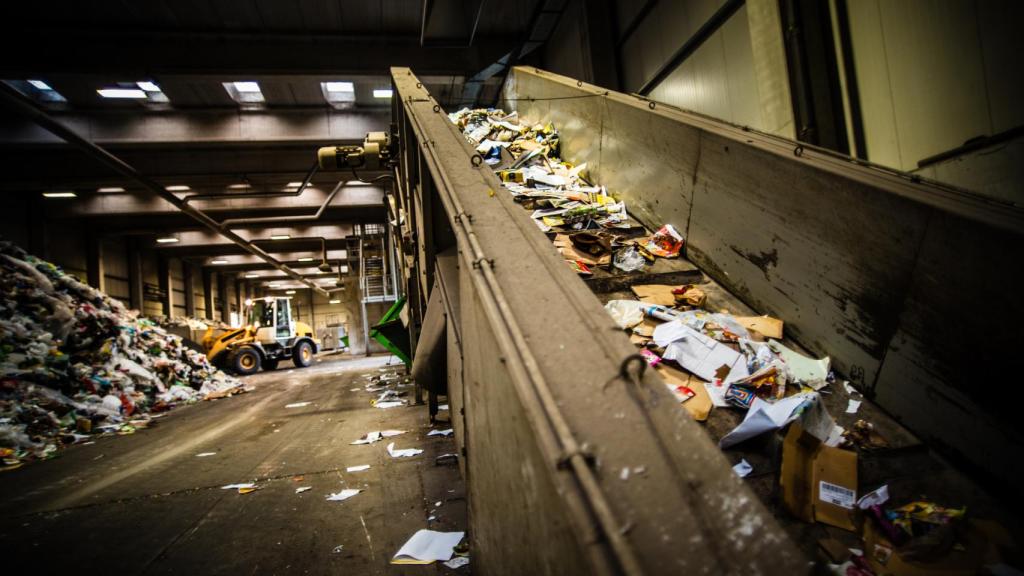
{"x": 269, "y": 336}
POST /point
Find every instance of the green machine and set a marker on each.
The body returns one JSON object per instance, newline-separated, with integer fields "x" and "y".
{"x": 392, "y": 334}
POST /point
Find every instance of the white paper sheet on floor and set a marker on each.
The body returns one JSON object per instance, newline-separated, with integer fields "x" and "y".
{"x": 427, "y": 546}
{"x": 402, "y": 452}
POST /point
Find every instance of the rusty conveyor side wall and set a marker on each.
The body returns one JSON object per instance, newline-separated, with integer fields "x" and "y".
{"x": 907, "y": 286}
{"x": 683, "y": 510}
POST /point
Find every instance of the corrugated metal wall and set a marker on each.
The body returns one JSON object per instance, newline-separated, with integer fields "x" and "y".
{"x": 737, "y": 75}
{"x": 930, "y": 75}
{"x": 935, "y": 73}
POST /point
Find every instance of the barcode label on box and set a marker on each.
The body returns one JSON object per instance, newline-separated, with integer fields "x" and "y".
{"x": 837, "y": 495}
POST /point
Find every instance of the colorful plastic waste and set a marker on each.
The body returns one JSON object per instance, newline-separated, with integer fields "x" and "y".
{"x": 74, "y": 362}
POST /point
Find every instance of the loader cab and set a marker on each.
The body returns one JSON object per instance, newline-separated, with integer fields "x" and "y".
{"x": 272, "y": 319}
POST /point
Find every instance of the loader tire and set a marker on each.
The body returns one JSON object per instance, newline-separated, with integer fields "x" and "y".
{"x": 302, "y": 354}
{"x": 244, "y": 361}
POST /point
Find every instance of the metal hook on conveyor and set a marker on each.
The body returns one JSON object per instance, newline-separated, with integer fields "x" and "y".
{"x": 476, "y": 160}
{"x": 651, "y": 105}
{"x": 625, "y": 374}
{"x": 437, "y": 108}
{"x": 633, "y": 360}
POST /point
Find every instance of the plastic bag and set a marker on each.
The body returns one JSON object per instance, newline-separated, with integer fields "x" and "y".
{"x": 626, "y": 313}
{"x": 666, "y": 242}
{"x": 628, "y": 259}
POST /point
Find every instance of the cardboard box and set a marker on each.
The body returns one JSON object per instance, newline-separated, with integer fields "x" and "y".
{"x": 977, "y": 548}
{"x": 818, "y": 483}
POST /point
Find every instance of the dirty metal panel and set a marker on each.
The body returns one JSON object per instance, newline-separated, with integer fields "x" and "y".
{"x": 832, "y": 246}
{"x": 957, "y": 345}
{"x": 686, "y": 510}
{"x": 830, "y": 256}
{"x": 517, "y": 518}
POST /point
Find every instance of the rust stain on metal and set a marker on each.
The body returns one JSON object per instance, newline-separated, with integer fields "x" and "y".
{"x": 763, "y": 260}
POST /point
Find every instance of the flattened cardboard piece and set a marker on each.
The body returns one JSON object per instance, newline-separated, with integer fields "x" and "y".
{"x": 765, "y": 325}
{"x": 818, "y": 483}
{"x": 700, "y": 405}
{"x": 660, "y": 294}
{"x": 646, "y": 328}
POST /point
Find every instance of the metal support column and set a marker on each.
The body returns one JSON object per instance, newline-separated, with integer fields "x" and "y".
{"x": 239, "y": 297}
{"x": 211, "y": 314}
{"x": 166, "y": 286}
{"x": 94, "y": 263}
{"x": 188, "y": 279}
{"x": 225, "y": 301}
{"x": 134, "y": 275}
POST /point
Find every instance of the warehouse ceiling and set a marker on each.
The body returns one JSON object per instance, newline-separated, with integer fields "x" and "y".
{"x": 227, "y": 101}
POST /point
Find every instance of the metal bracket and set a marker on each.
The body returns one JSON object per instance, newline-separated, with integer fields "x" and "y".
{"x": 476, "y": 263}
{"x": 583, "y": 450}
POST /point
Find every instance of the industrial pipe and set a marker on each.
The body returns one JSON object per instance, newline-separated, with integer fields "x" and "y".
{"x": 285, "y": 194}
{"x": 276, "y": 219}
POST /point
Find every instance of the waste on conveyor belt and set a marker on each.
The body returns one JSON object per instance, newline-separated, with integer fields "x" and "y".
{"x": 712, "y": 360}
{"x": 589, "y": 227}
{"x": 75, "y": 362}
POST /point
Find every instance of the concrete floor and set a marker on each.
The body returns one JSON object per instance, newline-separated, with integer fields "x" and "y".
{"x": 146, "y": 504}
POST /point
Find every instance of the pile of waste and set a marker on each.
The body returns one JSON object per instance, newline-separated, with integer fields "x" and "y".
{"x": 199, "y": 324}
{"x": 75, "y": 362}
{"x": 588, "y": 226}
{"x": 712, "y": 360}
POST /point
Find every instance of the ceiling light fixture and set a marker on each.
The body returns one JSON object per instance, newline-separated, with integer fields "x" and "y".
{"x": 334, "y": 302}
{"x": 293, "y": 185}
{"x": 60, "y": 194}
{"x": 290, "y": 292}
{"x": 382, "y": 93}
{"x": 177, "y": 188}
{"x": 167, "y": 240}
{"x": 339, "y": 86}
{"x": 251, "y": 275}
{"x": 39, "y": 84}
{"x": 110, "y": 189}
{"x": 280, "y": 236}
{"x": 148, "y": 86}
{"x": 218, "y": 261}
{"x": 241, "y": 186}
{"x": 305, "y": 259}
{"x": 122, "y": 93}
{"x": 248, "y": 87}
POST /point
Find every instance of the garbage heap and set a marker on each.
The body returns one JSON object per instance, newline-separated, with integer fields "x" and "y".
{"x": 189, "y": 322}
{"x": 75, "y": 362}
{"x": 588, "y": 226}
{"x": 733, "y": 366}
